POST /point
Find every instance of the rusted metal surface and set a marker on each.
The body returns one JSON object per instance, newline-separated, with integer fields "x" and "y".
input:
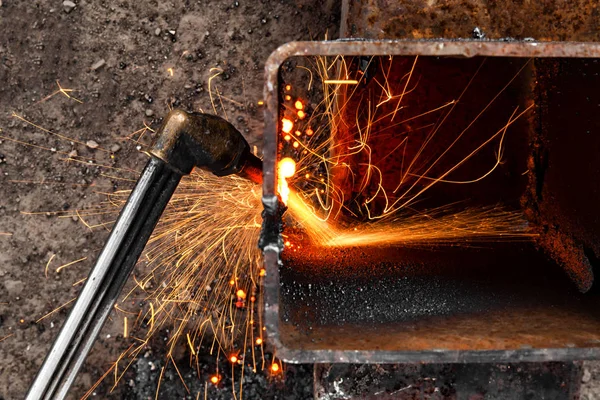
{"x": 532, "y": 332}
{"x": 466, "y": 19}
{"x": 564, "y": 193}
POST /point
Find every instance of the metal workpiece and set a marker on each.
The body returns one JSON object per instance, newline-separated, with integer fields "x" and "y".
{"x": 471, "y": 19}
{"x": 506, "y": 302}
{"x": 185, "y": 140}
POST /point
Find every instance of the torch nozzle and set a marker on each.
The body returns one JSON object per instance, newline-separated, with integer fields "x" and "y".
{"x": 187, "y": 140}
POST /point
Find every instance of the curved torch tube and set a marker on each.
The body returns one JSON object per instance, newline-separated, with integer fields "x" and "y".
{"x": 184, "y": 141}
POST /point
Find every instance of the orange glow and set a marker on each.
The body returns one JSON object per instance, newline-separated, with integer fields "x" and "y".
{"x": 259, "y": 341}
{"x": 232, "y": 282}
{"x": 241, "y": 294}
{"x": 275, "y": 367}
{"x": 301, "y": 114}
{"x": 288, "y": 87}
{"x": 299, "y": 105}
{"x": 262, "y": 272}
{"x": 288, "y": 97}
{"x": 286, "y": 169}
{"x": 286, "y": 125}
{"x": 214, "y": 379}
{"x": 309, "y": 132}
{"x": 233, "y": 359}
{"x": 287, "y": 243}
{"x": 287, "y": 138}
{"x": 260, "y": 102}
{"x": 298, "y": 133}
{"x": 296, "y": 144}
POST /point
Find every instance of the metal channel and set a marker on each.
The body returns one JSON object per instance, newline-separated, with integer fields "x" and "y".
{"x": 272, "y": 247}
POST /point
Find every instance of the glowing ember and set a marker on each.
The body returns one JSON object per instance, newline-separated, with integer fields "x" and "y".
{"x": 301, "y": 114}
{"x": 214, "y": 379}
{"x": 275, "y": 367}
{"x": 241, "y": 294}
{"x": 233, "y": 359}
{"x": 299, "y": 105}
{"x": 287, "y": 138}
{"x": 287, "y": 125}
{"x": 259, "y": 341}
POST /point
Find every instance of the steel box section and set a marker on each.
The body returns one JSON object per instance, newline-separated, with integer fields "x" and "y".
{"x": 338, "y": 342}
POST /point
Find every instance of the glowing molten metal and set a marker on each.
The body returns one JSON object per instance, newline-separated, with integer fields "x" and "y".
{"x": 286, "y": 169}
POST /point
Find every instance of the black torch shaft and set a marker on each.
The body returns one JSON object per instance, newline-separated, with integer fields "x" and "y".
{"x": 106, "y": 280}
{"x": 184, "y": 141}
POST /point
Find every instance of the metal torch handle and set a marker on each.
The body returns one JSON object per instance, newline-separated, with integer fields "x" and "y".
{"x": 106, "y": 280}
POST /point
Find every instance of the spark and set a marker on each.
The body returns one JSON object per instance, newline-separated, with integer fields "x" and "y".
{"x": 287, "y": 125}
{"x": 215, "y": 379}
{"x": 340, "y": 82}
{"x": 62, "y": 137}
{"x": 55, "y": 310}
{"x": 275, "y": 367}
{"x": 162, "y": 371}
{"x": 64, "y": 92}
{"x": 170, "y": 71}
{"x": 190, "y": 344}
{"x": 79, "y": 282}
{"x": 48, "y": 265}
{"x": 6, "y": 337}
{"x": 125, "y": 332}
{"x": 69, "y": 264}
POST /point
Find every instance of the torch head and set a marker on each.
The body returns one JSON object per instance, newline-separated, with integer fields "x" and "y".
{"x": 187, "y": 140}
